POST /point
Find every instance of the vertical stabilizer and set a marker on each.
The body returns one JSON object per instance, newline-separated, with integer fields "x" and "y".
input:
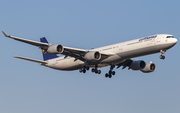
{"x": 46, "y": 56}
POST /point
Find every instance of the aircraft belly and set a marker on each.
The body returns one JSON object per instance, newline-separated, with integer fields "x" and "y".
{"x": 66, "y": 64}
{"x": 164, "y": 46}
{"x": 114, "y": 59}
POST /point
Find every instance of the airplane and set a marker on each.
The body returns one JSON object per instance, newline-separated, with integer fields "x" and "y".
{"x": 115, "y": 55}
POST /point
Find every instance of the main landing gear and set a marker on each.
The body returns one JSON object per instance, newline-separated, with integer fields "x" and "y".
{"x": 84, "y": 69}
{"x": 162, "y": 52}
{"x": 110, "y": 72}
{"x": 96, "y": 70}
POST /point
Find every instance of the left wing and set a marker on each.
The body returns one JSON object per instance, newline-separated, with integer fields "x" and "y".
{"x": 74, "y": 52}
{"x": 35, "y": 43}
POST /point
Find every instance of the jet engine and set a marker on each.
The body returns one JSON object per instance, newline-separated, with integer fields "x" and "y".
{"x": 92, "y": 55}
{"x": 138, "y": 65}
{"x": 55, "y": 49}
{"x": 150, "y": 67}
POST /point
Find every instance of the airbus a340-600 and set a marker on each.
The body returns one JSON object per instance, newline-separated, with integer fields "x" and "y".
{"x": 115, "y": 55}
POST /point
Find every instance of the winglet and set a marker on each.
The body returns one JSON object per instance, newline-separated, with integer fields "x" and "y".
{"x": 6, "y": 35}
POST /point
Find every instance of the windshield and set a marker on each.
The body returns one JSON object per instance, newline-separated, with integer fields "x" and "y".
{"x": 170, "y": 37}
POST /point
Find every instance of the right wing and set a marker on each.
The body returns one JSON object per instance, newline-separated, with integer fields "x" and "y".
{"x": 125, "y": 64}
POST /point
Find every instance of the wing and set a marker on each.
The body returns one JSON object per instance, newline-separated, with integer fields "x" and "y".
{"x": 68, "y": 51}
{"x": 32, "y": 60}
{"x": 35, "y": 43}
{"x": 74, "y": 52}
{"x": 125, "y": 64}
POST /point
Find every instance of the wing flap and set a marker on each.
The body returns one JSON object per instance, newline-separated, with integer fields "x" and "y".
{"x": 32, "y": 60}
{"x": 75, "y": 50}
{"x": 125, "y": 64}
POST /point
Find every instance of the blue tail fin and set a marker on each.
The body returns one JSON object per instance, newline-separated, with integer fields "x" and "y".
{"x": 46, "y": 56}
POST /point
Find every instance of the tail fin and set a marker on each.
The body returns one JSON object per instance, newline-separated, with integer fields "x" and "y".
{"x": 46, "y": 56}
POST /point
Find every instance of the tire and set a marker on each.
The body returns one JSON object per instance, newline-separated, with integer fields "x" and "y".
{"x": 163, "y": 57}
{"x": 106, "y": 75}
{"x": 113, "y": 73}
{"x": 80, "y": 70}
{"x": 87, "y": 68}
{"x": 110, "y": 76}
{"x": 110, "y": 72}
{"x": 99, "y": 71}
{"x": 93, "y": 70}
{"x": 84, "y": 71}
{"x": 96, "y": 71}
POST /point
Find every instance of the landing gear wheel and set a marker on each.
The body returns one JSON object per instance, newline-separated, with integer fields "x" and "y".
{"x": 162, "y": 57}
{"x": 93, "y": 70}
{"x": 80, "y": 70}
{"x": 106, "y": 75}
{"x": 87, "y": 68}
{"x": 113, "y": 73}
{"x": 110, "y": 76}
{"x": 84, "y": 71}
{"x": 99, "y": 71}
{"x": 110, "y": 72}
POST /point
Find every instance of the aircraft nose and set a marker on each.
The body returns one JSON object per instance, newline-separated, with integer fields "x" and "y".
{"x": 175, "y": 40}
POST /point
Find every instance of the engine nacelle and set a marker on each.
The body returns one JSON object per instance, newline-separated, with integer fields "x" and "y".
{"x": 138, "y": 65}
{"x": 92, "y": 55}
{"x": 55, "y": 49}
{"x": 150, "y": 67}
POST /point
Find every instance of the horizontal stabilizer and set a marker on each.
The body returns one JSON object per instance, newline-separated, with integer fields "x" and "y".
{"x": 32, "y": 60}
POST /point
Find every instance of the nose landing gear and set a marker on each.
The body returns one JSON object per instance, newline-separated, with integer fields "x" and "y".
{"x": 162, "y": 57}
{"x": 162, "y": 52}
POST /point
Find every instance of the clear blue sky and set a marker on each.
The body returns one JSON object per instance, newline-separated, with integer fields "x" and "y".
{"x": 27, "y": 87}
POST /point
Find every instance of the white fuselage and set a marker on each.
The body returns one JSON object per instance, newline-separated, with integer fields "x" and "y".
{"x": 118, "y": 52}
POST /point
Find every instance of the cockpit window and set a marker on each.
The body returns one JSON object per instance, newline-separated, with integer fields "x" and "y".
{"x": 170, "y": 37}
